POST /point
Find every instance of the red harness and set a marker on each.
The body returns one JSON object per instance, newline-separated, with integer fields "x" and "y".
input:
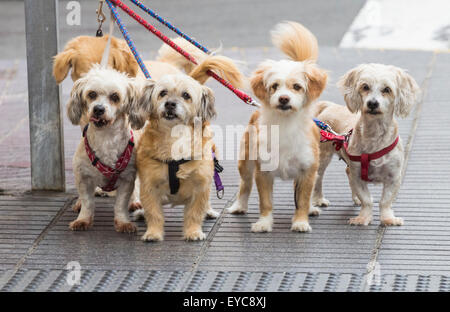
{"x": 112, "y": 174}
{"x": 364, "y": 159}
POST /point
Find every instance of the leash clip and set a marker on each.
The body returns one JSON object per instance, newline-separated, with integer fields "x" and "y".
{"x": 100, "y": 18}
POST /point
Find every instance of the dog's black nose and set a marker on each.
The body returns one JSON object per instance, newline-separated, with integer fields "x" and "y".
{"x": 284, "y": 99}
{"x": 170, "y": 105}
{"x": 372, "y": 104}
{"x": 99, "y": 110}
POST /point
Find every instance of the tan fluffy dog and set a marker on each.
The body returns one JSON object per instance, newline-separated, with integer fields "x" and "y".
{"x": 287, "y": 89}
{"x": 82, "y": 52}
{"x": 374, "y": 94}
{"x": 173, "y": 104}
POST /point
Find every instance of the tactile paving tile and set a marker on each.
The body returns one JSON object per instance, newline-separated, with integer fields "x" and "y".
{"x": 22, "y": 220}
{"x": 422, "y": 244}
{"x": 101, "y": 247}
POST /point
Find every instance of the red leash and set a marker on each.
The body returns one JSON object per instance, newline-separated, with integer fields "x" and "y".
{"x": 112, "y": 174}
{"x": 243, "y": 96}
{"x": 364, "y": 159}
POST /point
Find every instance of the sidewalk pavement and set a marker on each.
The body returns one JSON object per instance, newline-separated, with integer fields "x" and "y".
{"x": 36, "y": 244}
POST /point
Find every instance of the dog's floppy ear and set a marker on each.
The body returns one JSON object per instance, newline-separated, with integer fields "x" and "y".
{"x": 140, "y": 108}
{"x": 317, "y": 81}
{"x": 77, "y": 105}
{"x": 62, "y": 62}
{"x": 407, "y": 93}
{"x": 207, "y": 109}
{"x": 257, "y": 80}
{"x": 348, "y": 84}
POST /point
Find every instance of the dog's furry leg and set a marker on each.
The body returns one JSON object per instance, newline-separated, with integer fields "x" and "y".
{"x": 246, "y": 171}
{"x": 387, "y": 216}
{"x": 326, "y": 154}
{"x": 361, "y": 190}
{"x": 194, "y": 214}
{"x": 154, "y": 217}
{"x": 264, "y": 183}
{"x": 355, "y": 198}
{"x": 85, "y": 218}
{"x": 305, "y": 185}
{"x": 135, "y": 201}
{"x": 122, "y": 222}
{"x": 211, "y": 213}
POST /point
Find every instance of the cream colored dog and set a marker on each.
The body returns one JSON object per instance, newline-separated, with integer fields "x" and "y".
{"x": 287, "y": 89}
{"x": 103, "y": 96}
{"x": 374, "y": 93}
{"x": 172, "y": 104}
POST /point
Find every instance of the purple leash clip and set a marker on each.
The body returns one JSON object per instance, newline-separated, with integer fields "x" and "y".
{"x": 220, "y": 190}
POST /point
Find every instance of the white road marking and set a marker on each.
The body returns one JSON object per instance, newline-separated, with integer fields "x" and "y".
{"x": 401, "y": 24}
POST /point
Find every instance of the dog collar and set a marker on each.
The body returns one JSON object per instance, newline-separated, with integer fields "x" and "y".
{"x": 112, "y": 174}
{"x": 174, "y": 181}
{"x": 173, "y": 167}
{"x": 365, "y": 159}
{"x": 340, "y": 141}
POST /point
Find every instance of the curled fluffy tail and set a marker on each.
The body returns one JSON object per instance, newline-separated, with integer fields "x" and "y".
{"x": 168, "y": 55}
{"x": 221, "y": 65}
{"x": 296, "y": 41}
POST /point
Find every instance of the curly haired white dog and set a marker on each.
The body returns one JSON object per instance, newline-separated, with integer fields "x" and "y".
{"x": 106, "y": 155}
{"x": 374, "y": 94}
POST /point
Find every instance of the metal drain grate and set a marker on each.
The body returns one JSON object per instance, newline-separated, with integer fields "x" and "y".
{"x": 204, "y": 281}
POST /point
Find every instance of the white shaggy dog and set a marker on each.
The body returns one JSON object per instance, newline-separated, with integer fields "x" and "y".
{"x": 103, "y": 97}
{"x": 374, "y": 93}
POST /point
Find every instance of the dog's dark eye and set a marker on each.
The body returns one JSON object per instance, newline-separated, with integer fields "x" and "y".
{"x": 92, "y": 95}
{"x": 297, "y": 87}
{"x": 163, "y": 93}
{"x": 275, "y": 86}
{"x": 186, "y": 96}
{"x": 386, "y": 90}
{"x": 114, "y": 97}
{"x": 365, "y": 87}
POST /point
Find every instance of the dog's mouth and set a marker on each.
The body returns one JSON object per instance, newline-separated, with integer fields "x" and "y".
{"x": 169, "y": 115}
{"x": 373, "y": 112}
{"x": 284, "y": 107}
{"x": 99, "y": 122}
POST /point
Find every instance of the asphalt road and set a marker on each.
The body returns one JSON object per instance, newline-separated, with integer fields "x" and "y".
{"x": 232, "y": 23}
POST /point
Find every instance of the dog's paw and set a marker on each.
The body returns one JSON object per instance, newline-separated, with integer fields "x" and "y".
{"x": 197, "y": 235}
{"x": 321, "y": 202}
{"x": 124, "y": 227}
{"x": 392, "y": 221}
{"x": 264, "y": 224}
{"x": 301, "y": 226}
{"x": 134, "y": 206}
{"x": 100, "y": 193}
{"x": 360, "y": 220}
{"x": 356, "y": 201}
{"x": 237, "y": 208}
{"x": 138, "y": 215}
{"x": 152, "y": 236}
{"x": 314, "y": 211}
{"x": 212, "y": 214}
{"x": 80, "y": 225}
{"x": 77, "y": 206}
